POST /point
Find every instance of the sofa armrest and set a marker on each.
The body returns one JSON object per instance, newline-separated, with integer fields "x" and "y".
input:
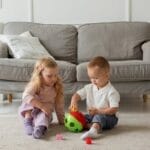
{"x": 146, "y": 51}
{"x": 3, "y": 50}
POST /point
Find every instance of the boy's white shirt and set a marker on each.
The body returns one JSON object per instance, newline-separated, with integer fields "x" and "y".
{"x": 104, "y": 97}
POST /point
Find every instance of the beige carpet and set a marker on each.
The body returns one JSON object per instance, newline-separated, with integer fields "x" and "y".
{"x": 132, "y": 133}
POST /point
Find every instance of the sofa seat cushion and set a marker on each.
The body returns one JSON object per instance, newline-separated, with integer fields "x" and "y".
{"x": 67, "y": 71}
{"x": 132, "y": 70}
{"x": 21, "y": 69}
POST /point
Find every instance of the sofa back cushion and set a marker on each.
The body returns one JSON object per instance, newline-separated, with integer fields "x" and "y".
{"x": 3, "y": 50}
{"x": 115, "y": 41}
{"x": 59, "y": 40}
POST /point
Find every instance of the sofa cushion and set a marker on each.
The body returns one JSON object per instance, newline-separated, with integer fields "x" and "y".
{"x": 133, "y": 70}
{"x": 114, "y": 41}
{"x": 21, "y": 70}
{"x": 67, "y": 71}
{"x": 59, "y": 40}
{"x": 3, "y": 50}
{"x": 3, "y": 38}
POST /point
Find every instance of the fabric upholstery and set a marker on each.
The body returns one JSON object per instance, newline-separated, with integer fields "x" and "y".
{"x": 146, "y": 51}
{"x": 133, "y": 70}
{"x": 1, "y": 27}
{"x": 114, "y": 41}
{"x": 59, "y": 40}
{"x": 3, "y": 50}
{"x": 21, "y": 70}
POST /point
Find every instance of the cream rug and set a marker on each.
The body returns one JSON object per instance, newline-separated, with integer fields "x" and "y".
{"x": 132, "y": 133}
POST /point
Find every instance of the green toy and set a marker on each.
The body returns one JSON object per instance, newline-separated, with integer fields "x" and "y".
{"x": 74, "y": 121}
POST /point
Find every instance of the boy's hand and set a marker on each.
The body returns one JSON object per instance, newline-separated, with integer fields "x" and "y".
{"x": 73, "y": 107}
{"x": 74, "y": 101}
{"x": 93, "y": 111}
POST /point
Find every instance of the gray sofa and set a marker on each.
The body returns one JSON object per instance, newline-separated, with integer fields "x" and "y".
{"x": 124, "y": 44}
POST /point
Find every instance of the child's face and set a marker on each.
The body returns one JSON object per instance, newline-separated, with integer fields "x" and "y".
{"x": 49, "y": 76}
{"x": 98, "y": 77}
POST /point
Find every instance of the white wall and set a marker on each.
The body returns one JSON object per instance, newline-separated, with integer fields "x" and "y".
{"x": 78, "y": 11}
{"x": 141, "y": 10}
{"x": 14, "y": 10}
{"x": 74, "y": 11}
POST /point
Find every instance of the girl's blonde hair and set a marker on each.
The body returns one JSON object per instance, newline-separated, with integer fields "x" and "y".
{"x": 36, "y": 82}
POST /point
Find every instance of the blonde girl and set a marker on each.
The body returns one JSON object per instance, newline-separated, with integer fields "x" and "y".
{"x": 42, "y": 95}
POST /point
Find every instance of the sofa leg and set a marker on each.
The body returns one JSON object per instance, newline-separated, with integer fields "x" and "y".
{"x": 146, "y": 97}
{"x": 9, "y": 97}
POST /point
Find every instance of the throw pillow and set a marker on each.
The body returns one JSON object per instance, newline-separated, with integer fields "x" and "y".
{"x": 3, "y": 38}
{"x": 25, "y": 46}
{"x": 26, "y": 34}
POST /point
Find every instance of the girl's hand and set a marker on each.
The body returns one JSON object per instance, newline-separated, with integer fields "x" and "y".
{"x": 93, "y": 111}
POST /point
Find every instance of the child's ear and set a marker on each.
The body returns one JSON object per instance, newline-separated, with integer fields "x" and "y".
{"x": 108, "y": 74}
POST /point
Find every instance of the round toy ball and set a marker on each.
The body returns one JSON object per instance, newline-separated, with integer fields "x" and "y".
{"x": 74, "y": 121}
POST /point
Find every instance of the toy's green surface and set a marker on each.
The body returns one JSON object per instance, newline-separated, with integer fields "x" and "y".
{"x": 72, "y": 124}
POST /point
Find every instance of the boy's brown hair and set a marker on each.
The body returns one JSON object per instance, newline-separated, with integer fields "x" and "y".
{"x": 100, "y": 62}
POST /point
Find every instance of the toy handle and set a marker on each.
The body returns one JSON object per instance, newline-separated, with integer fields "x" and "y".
{"x": 74, "y": 108}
